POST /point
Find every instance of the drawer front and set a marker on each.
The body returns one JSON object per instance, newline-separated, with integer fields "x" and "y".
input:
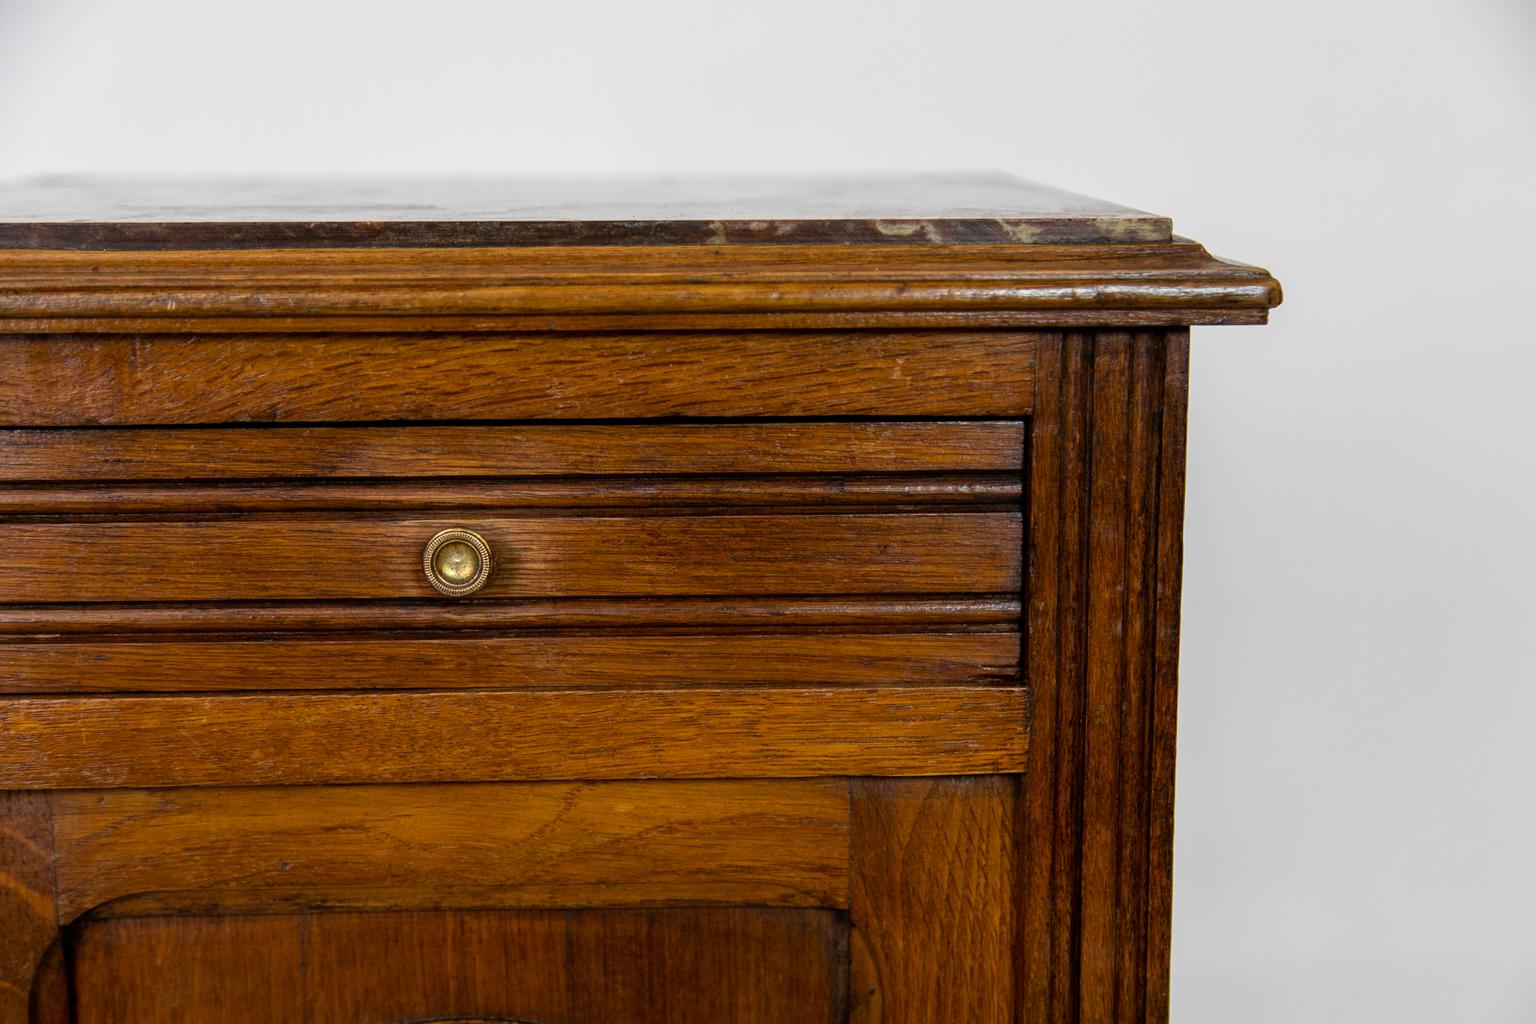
{"x": 825, "y": 553}
{"x": 239, "y": 606}
{"x": 567, "y": 511}
{"x": 661, "y": 556}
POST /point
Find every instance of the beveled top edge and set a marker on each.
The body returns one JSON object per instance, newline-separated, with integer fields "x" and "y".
{"x": 931, "y": 209}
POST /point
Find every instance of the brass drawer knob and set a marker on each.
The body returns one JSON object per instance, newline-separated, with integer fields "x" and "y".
{"x": 457, "y": 562}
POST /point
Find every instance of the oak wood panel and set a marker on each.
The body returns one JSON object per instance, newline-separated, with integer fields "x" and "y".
{"x": 28, "y": 914}
{"x": 529, "y": 450}
{"x": 121, "y": 380}
{"x": 933, "y": 877}
{"x": 72, "y": 742}
{"x": 766, "y": 842}
{"x": 857, "y": 613}
{"x": 158, "y": 972}
{"x": 822, "y": 493}
{"x": 1106, "y": 508}
{"x": 674, "y": 966}
{"x": 349, "y": 557}
{"x": 625, "y": 660}
{"x": 733, "y": 287}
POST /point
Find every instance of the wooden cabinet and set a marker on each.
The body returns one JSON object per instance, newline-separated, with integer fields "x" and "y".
{"x": 804, "y": 649}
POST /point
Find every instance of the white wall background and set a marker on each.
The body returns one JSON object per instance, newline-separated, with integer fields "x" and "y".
{"x": 1357, "y": 773}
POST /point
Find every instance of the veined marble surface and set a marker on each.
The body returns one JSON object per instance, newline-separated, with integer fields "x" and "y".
{"x": 127, "y": 213}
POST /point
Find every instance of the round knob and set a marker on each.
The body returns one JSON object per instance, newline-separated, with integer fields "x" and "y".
{"x": 457, "y": 562}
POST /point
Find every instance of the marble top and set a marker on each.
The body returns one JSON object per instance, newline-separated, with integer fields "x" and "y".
{"x": 953, "y": 209}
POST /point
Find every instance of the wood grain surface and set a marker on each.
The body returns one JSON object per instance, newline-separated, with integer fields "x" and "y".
{"x": 478, "y": 662}
{"x": 271, "y": 849}
{"x": 352, "y": 557}
{"x": 28, "y": 913}
{"x": 79, "y": 742}
{"x": 672, "y": 966}
{"x": 142, "y": 379}
{"x": 933, "y": 877}
{"x": 529, "y": 450}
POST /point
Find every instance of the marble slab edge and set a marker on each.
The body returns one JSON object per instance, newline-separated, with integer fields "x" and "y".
{"x": 131, "y": 235}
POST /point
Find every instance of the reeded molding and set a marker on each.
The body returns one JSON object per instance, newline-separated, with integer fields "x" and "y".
{"x": 595, "y": 287}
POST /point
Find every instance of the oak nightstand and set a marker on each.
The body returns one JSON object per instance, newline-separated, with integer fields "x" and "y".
{"x": 690, "y": 601}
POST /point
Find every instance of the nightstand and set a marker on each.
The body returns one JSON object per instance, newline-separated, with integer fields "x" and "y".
{"x": 680, "y": 601}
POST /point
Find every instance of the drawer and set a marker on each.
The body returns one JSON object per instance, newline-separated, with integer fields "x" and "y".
{"x": 566, "y": 511}
{"x": 648, "y": 555}
{"x": 205, "y": 606}
{"x": 371, "y": 558}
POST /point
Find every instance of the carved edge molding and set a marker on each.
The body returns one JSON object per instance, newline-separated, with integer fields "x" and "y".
{"x": 596, "y": 288}
{"x": 1106, "y": 507}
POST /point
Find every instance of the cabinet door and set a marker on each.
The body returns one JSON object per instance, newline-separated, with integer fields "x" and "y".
{"x": 846, "y": 901}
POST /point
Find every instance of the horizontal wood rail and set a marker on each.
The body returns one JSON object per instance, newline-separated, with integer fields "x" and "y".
{"x": 388, "y": 661}
{"x": 509, "y": 735}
